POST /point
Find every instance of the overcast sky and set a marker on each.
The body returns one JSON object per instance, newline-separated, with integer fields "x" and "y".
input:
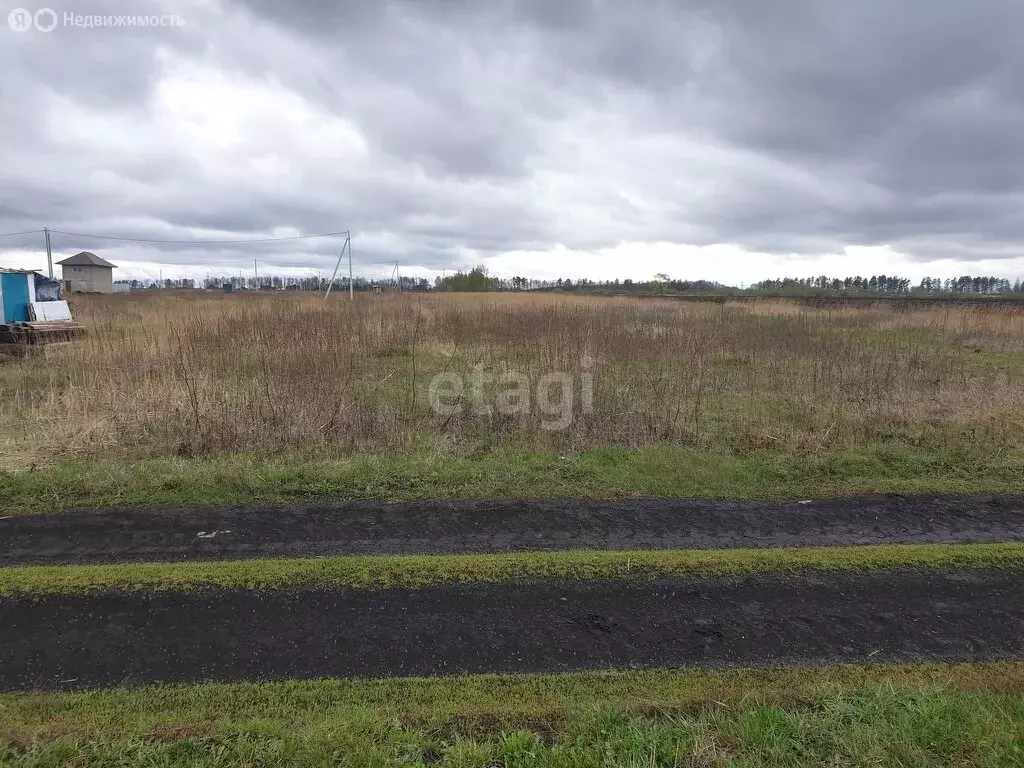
{"x": 722, "y": 139}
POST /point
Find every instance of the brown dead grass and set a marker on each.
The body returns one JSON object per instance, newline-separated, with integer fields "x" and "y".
{"x": 199, "y": 374}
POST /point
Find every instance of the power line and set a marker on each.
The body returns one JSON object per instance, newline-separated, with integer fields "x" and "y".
{"x": 195, "y": 242}
{"x": 26, "y": 232}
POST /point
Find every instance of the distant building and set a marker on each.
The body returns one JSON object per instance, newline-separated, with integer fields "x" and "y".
{"x": 87, "y": 273}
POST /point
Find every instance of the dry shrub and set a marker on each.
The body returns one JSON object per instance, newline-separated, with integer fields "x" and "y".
{"x": 196, "y": 374}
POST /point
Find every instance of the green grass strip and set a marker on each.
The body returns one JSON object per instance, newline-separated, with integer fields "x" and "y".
{"x": 927, "y": 714}
{"x": 963, "y": 466}
{"x": 384, "y": 571}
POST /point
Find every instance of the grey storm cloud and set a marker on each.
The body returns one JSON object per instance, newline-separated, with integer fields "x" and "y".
{"x": 477, "y": 128}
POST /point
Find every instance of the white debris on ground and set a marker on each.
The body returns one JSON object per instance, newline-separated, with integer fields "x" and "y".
{"x": 210, "y": 534}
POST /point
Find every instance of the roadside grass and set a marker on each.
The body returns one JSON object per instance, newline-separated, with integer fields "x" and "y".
{"x": 392, "y": 571}
{"x": 665, "y": 470}
{"x": 934, "y": 714}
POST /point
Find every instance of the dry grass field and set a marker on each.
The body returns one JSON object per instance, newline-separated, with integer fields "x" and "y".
{"x": 246, "y": 401}
{"x": 292, "y": 378}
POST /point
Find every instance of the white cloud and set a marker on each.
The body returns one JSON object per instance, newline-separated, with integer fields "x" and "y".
{"x": 548, "y": 139}
{"x": 731, "y": 264}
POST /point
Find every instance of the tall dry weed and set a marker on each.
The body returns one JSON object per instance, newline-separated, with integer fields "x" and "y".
{"x": 197, "y": 374}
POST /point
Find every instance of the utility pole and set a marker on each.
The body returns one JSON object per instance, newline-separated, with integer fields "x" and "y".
{"x": 256, "y": 274}
{"x": 49, "y": 256}
{"x": 334, "y": 274}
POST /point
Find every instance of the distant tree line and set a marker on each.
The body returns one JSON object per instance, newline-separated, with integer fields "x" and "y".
{"x": 313, "y": 283}
{"x": 478, "y": 279}
{"x": 889, "y": 284}
{"x": 167, "y": 283}
{"x": 279, "y": 283}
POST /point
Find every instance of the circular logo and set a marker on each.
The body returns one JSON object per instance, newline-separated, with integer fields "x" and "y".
{"x": 19, "y": 20}
{"x": 45, "y": 20}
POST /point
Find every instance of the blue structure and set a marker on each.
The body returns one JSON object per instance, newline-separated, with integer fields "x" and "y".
{"x": 17, "y": 291}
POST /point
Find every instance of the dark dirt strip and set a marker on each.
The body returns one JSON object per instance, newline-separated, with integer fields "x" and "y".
{"x": 59, "y": 642}
{"x": 499, "y": 526}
